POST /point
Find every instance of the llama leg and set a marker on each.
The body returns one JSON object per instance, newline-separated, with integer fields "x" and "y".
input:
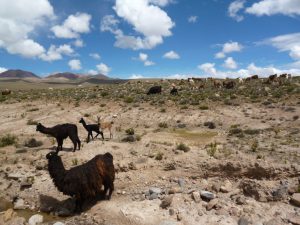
{"x": 88, "y": 138}
{"x": 79, "y": 143}
{"x": 59, "y": 145}
{"x": 111, "y": 189}
{"x": 74, "y": 143}
{"x": 78, "y": 204}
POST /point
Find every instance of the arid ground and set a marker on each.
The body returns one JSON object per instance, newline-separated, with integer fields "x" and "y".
{"x": 241, "y": 145}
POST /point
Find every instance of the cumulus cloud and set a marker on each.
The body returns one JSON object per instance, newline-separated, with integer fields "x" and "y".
{"x": 18, "y": 22}
{"x": 2, "y": 69}
{"x": 228, "y": 48}
{"x": 95, "y": 56}
{"x": 286, "y": 43}
{"x": 193, "y": 19}
{"x": 56, "y": 53}
{"x": 103, "y": 68}
{"x": 136, "y": 76}
{"x": 144, "y": 58}
{"x": 161, "y": 3}
{"x": 210, "y": 71}
{"x": 234, "y": 8}
{"x": 229, "y": 63}
{"x": 78, "y": 43}
{"x": 171, "y": 55}
{"x": 147, "y": 19}
{"x": 272, "y": 7}
{"x": 73, "y": 26}
{"x": 92, "y": 72}
{"x": 75, "y": 64}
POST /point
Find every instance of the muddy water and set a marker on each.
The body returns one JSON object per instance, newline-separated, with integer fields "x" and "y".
{"x": 27, "y": 213}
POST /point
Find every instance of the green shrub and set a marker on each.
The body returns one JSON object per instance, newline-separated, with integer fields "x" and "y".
{"x": 163, "y": 125}
{"x": 212, "y": 149}
{"x": 254, "y": 146}
{"x": 32, "y": 143}
{"x": 33, "y": 109}
{"x": 159, "y": 156}
{"x": 183, "y": 147}
{"x": 128, "y": 99}
{"x": 130, "y": 131}
{"x": 203, "y": 107}
{"x": 32, "y": 122}
{"x": 8, "y": 139}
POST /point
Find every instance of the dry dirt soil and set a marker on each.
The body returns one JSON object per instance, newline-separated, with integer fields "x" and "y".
{"x": 246, "y": 156}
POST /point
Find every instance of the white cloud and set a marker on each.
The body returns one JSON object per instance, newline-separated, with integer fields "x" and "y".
{"x": 161, "y": 3}
{"x": 229, "y": 63}
{"x": 75, "y": 64}
{"x": 78, "y": 43}
{"x": 208, "y": 68}
{"x": 287, "y": 42}
{"x": 17, "y": 22}
{"x": 56, "y": 53}
{"x": 92, "y": 72}
{"x": 210, "y": 71}
{"x": 144, "y": 58}
{"x": 103, "y": 68}
{"x": 149, "y": 21}
{"x": 171, "y": 55}
{"x": 73, "y": 26}
{"x": 234, "y": 8}
{"x": 272, "y": 7}
{"x": 228, "y": 48}
{"x": 193, "y": 19}
{"x": 2, "y": 69}
{"x": 95, "y": 56}
{"x": 136, "y": 76}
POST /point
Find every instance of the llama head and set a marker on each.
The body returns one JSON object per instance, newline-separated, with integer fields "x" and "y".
{"x": 51, "y": 155}
{"x": 39, "y": 127}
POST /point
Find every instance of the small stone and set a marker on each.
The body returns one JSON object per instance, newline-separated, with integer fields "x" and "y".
{"x": 206, "y": 195}
{"x": 196, "y": 196}
{"x": 174, "y": 190}
{"x": 181, "y": 182}
{"x": 59, "y": 223}
{"x": 8, "y": 214}
{"x": 19, "y": 204}
{"x": 4, "y": 204}
{"x": 221, "y": 212}
{"x": 64, "y": 212}
{"x": 179, "y": 217}
{"x": 272, "y": 222}
{"x": 35, "y": 219}
{"x": 171, "y": 212}
{"x": 166, "y": 202}
{"x": 154, "y": 190}
{"x": 243, "y": 221}
{"x": 168, "y": 222}
{"x": 295, "y": 200}
{"x": 153, "y": 196}
{"x": 227, "y": 187}
{"x": 240, "y": 200}
{"x": 216, "y": 187}
{"x": 212, "y": 204}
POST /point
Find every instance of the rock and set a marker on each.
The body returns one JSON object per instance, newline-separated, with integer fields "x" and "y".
{"x": 63, "y": 212}
{"x": 15, "y": 176}
{"x": 153, "y": 196}
{"x": 168, "y": 222}
{"x": 206, "y": 195}
{"x": 196, "y": 196}
{"x": 17, "y": 221}
{"x": 243, "y": 221}
{"x": 181, "y": 182}
{"x": 19, "y": 204}
{"x": 181, "y": 125}
{"x": 171, "y": 212}
{"x": 216, "y": 187}
{"x": 212, "y": 204}
{"x": 240, "y": 200}
{"x": 227, "y": 187}
{"x": 154, "y": 190}
{"x": 26, "y": 183}
{"x": 179, "y": 217}
{"x": 8, "y": 214}
{"x": 210, "y": 125}
{"x": 129, "y": 138}
{"x": 295, "y": 200}
{"x": 166, "y": 202}
{"x": 295, "y": 220}
{"x": 35, "y": 219}
{"x": 59, "y": 223}
{"x": 174, "y": 190}
{"x": 280, "y": 193}
{"x": 255, "y": 190}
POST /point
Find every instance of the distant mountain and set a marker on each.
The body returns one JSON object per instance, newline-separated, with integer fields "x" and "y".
{"x": 18, "y": 74}
{"x": 67, "y": 75}
{"x": 100, "y": 76}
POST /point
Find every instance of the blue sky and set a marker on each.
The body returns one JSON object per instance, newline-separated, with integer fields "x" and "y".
{"x": 151, "y": 38}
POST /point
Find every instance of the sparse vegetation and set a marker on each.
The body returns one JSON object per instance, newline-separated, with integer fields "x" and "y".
{"x": 130, "y": 131}
{"x": 183, "y": 147}
{"x": 211, "y": 149}
{"x": 163, "y": 125}
{"x": 32, "y": 143}
{"x": 7, "y": 140}
{"x": 31, "y": 122}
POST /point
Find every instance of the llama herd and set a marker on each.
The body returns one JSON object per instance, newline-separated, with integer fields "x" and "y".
{"x": 82, "y": 182}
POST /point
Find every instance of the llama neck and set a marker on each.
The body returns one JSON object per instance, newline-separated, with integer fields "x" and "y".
{"x": 84, "y": 124}
{"x": 57, "y": 171}
{"x": 46, "y": 130}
